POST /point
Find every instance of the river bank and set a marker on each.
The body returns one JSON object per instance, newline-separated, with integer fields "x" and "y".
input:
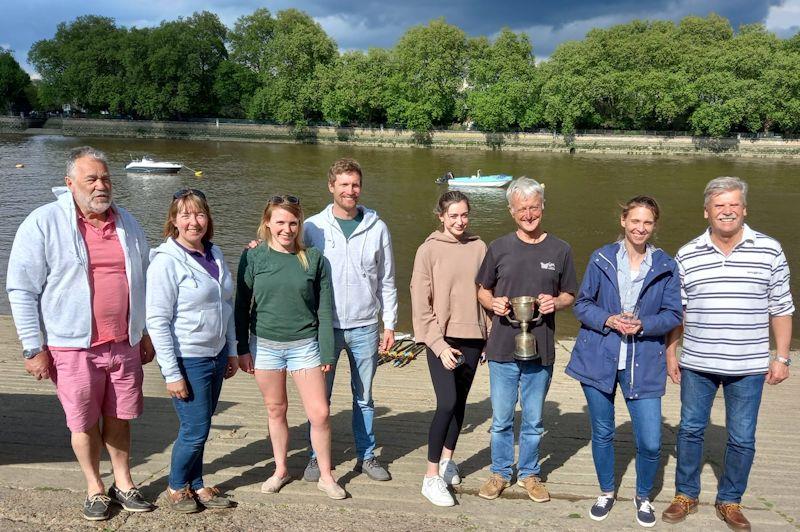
{"x": 389, "y": 137}
{"x": 41, "y": 486}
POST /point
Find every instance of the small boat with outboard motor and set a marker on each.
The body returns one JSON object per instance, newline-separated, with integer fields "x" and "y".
{"x": 477, "y": 180}
{"x": 147, "y": 165}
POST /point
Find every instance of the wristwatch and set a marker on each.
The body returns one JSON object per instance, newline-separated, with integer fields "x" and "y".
{"x": 783, "y": 360}
{"x": 30, "y": 353}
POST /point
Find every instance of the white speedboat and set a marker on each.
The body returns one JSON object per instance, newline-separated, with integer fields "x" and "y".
{"x": 146, "y": 165}
{"x": 477, "y": 180}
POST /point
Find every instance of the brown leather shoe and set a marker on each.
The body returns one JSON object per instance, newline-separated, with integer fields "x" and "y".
{"x": 732, "y": 514}
{"x": 181, "y": 501}
{"x": 212, "y": 498}
{"x": 493, "y": 487}
{"x": 537, "y": 491}
{"x": 680, "y": 507}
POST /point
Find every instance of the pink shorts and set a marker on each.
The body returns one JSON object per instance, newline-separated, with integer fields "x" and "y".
{"x": 102, "y": 380}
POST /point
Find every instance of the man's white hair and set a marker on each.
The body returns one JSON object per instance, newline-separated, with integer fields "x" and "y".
{"x": 720, "y": 185}
{"x": 524, "y": 187}
{"x": 81, "y": 152}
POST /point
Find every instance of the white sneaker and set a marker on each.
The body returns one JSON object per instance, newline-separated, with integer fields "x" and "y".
{"x": 448, "y": 470}
{"x": 435, "y": 490}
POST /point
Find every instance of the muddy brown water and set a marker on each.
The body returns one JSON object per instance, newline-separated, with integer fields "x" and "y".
{"x": 582, "y": 192}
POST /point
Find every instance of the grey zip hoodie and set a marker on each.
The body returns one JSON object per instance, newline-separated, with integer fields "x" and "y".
{"x": 48, "y": 276}
{"x": 189, "y": 313}
{"x": 362, "y": 268}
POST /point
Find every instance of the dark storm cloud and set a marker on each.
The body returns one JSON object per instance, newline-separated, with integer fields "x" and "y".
{"x": 381, "y": 23}
{"x": 361, "y": 24}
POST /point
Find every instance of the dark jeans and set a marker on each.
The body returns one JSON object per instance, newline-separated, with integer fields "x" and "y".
{"x": 451, "y": 388}
{"x": 203, "y": 377}
{"x": 742, "y": 400}
{"x": 646, "y": 420}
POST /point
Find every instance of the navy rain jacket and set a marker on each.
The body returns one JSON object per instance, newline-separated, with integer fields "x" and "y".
{"x": 595, "y": 356}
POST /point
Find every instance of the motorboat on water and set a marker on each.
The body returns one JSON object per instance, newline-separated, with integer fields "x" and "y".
{"x": 147, "y": 165}
{"x": 477, "y": 180}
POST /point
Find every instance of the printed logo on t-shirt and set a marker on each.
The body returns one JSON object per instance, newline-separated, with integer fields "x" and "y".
{"x": 548, "y": 266}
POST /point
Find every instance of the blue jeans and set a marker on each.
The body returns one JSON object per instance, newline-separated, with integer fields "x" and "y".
{"x": 203, "y": 377}
{"x": 742, "y": 400}
{"x": 508, "y": 382}
{"x": 361, "y": 344}
{"x": 646, "y": 419}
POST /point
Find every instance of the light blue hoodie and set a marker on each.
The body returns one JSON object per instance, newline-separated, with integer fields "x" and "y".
{"x": 362, "y": 268}
{"x": 48, "y": 276}
{"x": 189, "y": 313}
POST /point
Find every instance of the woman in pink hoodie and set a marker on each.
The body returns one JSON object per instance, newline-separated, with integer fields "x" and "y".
{"x": 449, "y": 320}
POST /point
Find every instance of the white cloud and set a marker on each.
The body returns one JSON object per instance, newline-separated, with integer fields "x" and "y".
{"x": 546, "y": 38}
{"x": 785, "y": 18}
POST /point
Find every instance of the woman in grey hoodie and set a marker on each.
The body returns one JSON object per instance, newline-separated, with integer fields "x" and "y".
{"x": 449, "y": 320}
{"x": 190, "y": 320}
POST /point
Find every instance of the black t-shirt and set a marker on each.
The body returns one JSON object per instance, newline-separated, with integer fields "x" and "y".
{"x": 514, "y": 268}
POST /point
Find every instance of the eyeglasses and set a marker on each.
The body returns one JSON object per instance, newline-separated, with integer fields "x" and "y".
{"x": 182, "y": 193}
{"x": 280, "y": 200}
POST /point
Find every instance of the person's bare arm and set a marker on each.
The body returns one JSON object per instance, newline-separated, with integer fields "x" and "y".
{"x": 782, "y": 332}
{"x": 495, "y": 305}
{"x": 673, "y": 369}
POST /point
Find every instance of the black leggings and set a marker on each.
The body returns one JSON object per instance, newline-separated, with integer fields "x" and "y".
{"x": 452, "y": 388}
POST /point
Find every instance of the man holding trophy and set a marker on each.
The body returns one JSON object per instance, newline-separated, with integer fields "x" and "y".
{"x": 525, "y": 278}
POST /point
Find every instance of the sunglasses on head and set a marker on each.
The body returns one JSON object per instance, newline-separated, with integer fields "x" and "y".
{"x": 280, "y": 200}
{"x": 182, "y": 193}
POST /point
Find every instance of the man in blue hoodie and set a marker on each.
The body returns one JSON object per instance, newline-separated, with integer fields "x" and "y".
{"x": 357, "y": 244}
{"x": 76, "y": 284}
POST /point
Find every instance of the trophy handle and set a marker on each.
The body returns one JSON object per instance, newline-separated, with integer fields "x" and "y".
{"x": 537, "y": 318}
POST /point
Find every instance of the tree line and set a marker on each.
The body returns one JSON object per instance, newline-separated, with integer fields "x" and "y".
{"x": 696, "y": 75}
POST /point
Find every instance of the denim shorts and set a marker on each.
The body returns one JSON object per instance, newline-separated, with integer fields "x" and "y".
{"x": 292, "y": 356}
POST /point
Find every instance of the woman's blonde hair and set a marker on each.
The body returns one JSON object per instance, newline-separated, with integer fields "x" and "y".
{"x": 193, "y": 203}
{"x": 295, "y": 209}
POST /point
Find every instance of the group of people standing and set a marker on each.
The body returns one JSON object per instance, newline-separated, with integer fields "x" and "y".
{"x": 92, "y": 304}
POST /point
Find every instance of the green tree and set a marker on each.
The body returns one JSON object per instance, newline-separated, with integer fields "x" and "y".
{"x": 250, "y": 37}
{"x": 501, "y": 79}
{"x": 355, "y": 87}
{"x": 566, "y": 89}
{"x": 234, "y": 86}
{"x": 289, "y": 88}
{"x": 14, "y": 84}
{"x": 81, "y": 65}
{"x": 171, "y": 70}
{"x": 427, "y": 84}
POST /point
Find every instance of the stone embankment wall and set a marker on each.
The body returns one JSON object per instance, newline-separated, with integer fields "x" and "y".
{"x": 12, "y": 124}
{"x": 625, "y": 144}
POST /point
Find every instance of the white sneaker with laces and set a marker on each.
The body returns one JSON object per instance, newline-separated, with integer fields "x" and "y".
{"x": 435, "y": 490}
{"x": 448, "y": 470}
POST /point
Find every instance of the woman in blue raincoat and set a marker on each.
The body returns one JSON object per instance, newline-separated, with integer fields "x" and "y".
{"x": 629, "y": 300}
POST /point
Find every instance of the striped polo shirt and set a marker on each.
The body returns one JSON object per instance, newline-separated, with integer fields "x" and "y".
{"x": 728, "y": 301}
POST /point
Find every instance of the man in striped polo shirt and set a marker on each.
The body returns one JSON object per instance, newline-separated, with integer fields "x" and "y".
{"x": 735, "y": 287}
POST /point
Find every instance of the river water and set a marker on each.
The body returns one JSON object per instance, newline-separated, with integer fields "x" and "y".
{"x": 582, "y": 191}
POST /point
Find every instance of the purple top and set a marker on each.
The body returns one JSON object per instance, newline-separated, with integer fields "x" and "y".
{"x": 206, "y": 259}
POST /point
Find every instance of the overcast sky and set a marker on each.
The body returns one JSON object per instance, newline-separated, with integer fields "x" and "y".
{"x": 357, "y": 24}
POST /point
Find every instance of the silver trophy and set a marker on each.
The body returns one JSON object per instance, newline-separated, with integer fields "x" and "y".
{"x": 525, "y": 311}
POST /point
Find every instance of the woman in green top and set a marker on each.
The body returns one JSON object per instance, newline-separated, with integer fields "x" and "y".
{"x": 284, "y": 322}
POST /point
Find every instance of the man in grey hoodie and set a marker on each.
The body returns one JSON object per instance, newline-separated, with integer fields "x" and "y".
{"x": 76, "y": 284}
{"x": 357, "y": 244}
